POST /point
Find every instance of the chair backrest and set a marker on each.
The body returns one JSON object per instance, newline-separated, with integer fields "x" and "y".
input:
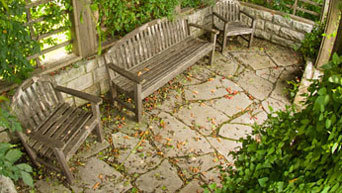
{"x": 229, "y": 9}
{"x": 147, "y": 41}
{"x": 34, "y": 100}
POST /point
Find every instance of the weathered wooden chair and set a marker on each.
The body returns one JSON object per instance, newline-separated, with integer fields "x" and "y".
{"x": 152, "y": 55}
{"x": 52, "y": 129}
{"x": 227, "y": 19}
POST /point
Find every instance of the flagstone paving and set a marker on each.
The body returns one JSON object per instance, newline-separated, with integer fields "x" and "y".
{"x": 190, "y": 125}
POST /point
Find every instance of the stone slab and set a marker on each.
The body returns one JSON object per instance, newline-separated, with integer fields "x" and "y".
{"x": 6, "y": 185}
{"x": 194, "y": 165}
{"x": 224, "y": 146}
{"x": 257, "y": 60}
{"x": 233, "y": 105}
{"x": 275, "y": 104}
{"x": 235, "y": 131}
{"x": 194, "y": 186}
{"x": 284, "y": 56}
{"x": 224, "y": 65}
{"x": 270, "y": 74}
{"x": 99, "y": 172}
{"x": 202, "y": 116}
{"x": 94, "y": 149}
{"x": 210, "y": 89}
{"x": 258, "y": 87}
{"x": 138, "y": 160}
{"x": 162, "y": 179}
{"x": 51, "y": 186}
{"x": 176, "y": 139}
{"x": 4, "y": 138}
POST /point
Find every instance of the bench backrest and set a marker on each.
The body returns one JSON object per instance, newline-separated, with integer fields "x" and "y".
{"x": 34, "y": 100}
{"x": 229, "y": 9}
{"x": 147, "y": 41}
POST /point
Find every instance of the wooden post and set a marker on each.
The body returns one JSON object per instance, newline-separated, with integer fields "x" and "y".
{"x": 324, "y": 10}
{"x": 329, "y": 40}
{"x": 84, "y": 29}
{"x": 338, "y": 43}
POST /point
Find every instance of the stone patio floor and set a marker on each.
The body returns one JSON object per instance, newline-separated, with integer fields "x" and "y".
{"x": 189, "y": 126}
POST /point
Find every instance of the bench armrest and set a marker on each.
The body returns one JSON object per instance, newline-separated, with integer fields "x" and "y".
{"x": 79, "y": 94}
{"x": 127, "y": 74}
{"x": 220, "y": 17}
{"x": 246, "y": 14}
{"x": 204, "y": 28}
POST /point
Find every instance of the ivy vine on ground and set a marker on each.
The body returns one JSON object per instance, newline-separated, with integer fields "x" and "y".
{"x": 295, "y": 151}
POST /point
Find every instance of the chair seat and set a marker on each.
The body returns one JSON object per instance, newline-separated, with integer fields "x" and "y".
{"x": 234, "y": 28}
{"x": 173, "y": 60}
{"x": 68, "y": 124}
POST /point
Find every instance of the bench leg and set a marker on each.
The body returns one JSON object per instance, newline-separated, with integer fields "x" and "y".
{"x": 98, "y": 128}
{"x": 251, "y": 37}
{"x": 138, "y": 102}
{"x": 212, "y": 54}
{"x": 224, "y": 43}
{"x": 62, "y": 161}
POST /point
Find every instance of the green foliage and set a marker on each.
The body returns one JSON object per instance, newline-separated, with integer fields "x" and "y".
{"x": 9, "y": 154}
{"x": 15, "y": 42}
{"x": 120, "y": 17}
{"x": 196, "y": 3}
{"x": 297, "y": 151}
{"x": 312, "y": 41}
{"x": 54, "y": 19}
{"x": 280, "y": 5}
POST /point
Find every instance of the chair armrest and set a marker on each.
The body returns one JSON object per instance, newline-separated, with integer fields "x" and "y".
{"x": 127, "y": 74}
{"x": 204, "y": 28}
{"x": 246, "y": 14}
{"x": 220, "y": 17}
{"x": 79, "y": 94}
{"x": 48, "y": 141}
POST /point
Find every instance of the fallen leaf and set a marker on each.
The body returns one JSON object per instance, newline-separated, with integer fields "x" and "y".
{"x": 195, "y": 92}
{"x": 96, "y": 185}
{"x": 139, "y": 73}
{"x": 210, "y": 79}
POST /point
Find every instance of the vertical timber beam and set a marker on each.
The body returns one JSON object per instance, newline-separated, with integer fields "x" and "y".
{"x": 338, "y": 43}
{"x": 324, "y": 10}
{"x": 331, "y": 27}
{"x": 84, "y": 29}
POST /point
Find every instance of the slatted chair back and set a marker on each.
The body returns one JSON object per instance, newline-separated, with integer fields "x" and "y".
{"x": 147, "y": 41}
{"x": 34, "y": 100}
{"x": 229, "y": 9}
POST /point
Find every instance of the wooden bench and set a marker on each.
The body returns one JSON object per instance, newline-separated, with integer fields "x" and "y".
{"x": 53, "y": 129}
{"x": 151, "y": 55}
{"x": 227, "y": 19}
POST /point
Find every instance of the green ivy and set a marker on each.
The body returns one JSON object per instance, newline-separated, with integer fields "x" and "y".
{"x": 196, "y": 3}
{"x": 10, "y": 154}
{"x": 312, "y": 41}
{"x": 280, "y": 5}
{"x": 297, "y": 151}
{"x": 15, "y": 42}
{"x": 120, "y": 17}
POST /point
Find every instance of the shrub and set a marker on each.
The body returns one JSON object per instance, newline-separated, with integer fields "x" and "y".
{"x": 312, "y": 41}
{"x": 297, "y": 151}
{"x": 10, "y": 154}
{"x": 120, "y": 17}
{"x": 15, "y": 42}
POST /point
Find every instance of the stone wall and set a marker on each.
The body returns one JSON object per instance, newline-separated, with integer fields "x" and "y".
{"x": 278, "y": 27}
